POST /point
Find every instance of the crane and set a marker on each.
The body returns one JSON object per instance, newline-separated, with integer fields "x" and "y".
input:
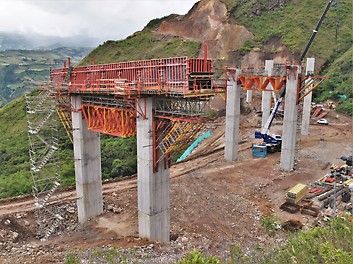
{"x": 273, "y": 143}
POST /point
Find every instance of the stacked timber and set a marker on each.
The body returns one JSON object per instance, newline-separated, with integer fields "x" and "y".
{"x": 297, "y": 193}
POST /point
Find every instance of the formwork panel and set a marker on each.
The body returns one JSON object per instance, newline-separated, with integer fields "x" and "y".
{"x": 177, "y": 75}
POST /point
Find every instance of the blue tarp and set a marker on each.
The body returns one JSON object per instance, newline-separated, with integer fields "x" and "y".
{"x": 193, "y": 146}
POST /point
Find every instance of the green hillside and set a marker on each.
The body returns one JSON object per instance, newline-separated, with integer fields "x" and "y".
{"x": 142, "y": 45}
{"x": 23, "y": 70}
{"x": 339, "y": 86}
{"x": 15, "y": 177}
{"x": 294, "y": 21}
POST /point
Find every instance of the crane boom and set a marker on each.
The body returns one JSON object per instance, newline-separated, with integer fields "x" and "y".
{"x": 273, "y": 143}
{"x": 313, "y": 34}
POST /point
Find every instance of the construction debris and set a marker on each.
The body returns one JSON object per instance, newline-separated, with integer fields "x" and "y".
{"x": 331, "y": 191}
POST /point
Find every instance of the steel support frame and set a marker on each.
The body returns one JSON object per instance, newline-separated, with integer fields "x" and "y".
{"x": 187, "y": 107}
{"x": 109, "y": 120}
{"x": 260, "y": 82}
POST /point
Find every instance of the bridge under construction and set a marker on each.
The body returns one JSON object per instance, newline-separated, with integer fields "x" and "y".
{"x": 164, "y": 102}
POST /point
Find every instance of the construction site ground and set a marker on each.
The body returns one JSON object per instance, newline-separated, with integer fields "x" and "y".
{"x": 214, "y": 203}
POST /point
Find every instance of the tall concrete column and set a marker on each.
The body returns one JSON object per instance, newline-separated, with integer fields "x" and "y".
{"x": 310, "y": 65}
{"x": 87, "y": 156}
{"x": 290, "y": 121}
{"x": 232, "y": 118}
{"x": 266, "y": 96}
{"x": 248, "y": 96}
{"x": 153, "y": 188}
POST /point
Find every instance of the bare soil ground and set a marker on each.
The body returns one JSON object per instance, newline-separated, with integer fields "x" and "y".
{"x": 214, "y": 203}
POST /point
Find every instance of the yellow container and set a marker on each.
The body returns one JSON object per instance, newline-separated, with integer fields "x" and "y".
{"x": 297, "y": 193}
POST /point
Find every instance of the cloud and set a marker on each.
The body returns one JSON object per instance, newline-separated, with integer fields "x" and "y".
{"x": 104, "y": 19}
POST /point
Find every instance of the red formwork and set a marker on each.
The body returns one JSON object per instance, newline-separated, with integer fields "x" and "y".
{"x": 168, "y": 75}
{"x": 110, "y": 120}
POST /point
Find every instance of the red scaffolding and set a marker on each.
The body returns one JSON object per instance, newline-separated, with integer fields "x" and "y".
{"x": 175, "y": 76}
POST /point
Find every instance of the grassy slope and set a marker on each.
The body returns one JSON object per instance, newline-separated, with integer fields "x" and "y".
{"x": 329, "y": 243}
{"x": 15, "y": 178}
{"x": 140, "y": 46}
{"x": 295, "y": 22}
{"x": 340, "y": 82}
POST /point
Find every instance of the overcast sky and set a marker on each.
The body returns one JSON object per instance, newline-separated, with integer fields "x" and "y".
{"x": 104, "y": 19}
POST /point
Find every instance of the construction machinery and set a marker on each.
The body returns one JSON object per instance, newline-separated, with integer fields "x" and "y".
{"x": 331, "y": 105}
{"x": 271, "y": 143}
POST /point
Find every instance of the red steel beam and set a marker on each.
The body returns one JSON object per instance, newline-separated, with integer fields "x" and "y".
{"x": 260, "y": 82}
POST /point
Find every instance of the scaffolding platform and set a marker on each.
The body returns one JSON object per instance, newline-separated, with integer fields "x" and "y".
{"x": 177, "y": 76}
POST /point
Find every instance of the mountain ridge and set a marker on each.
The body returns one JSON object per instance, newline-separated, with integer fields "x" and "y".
{"x": 17, "y": 41}
{"x": 24, "y": 70}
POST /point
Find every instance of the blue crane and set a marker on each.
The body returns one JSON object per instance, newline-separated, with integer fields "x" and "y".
{"x": 273, "y": 143}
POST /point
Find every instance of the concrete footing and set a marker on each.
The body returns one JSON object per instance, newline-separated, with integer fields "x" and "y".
{"x": 290, "y": 121}
{"x": 87, "y": 156}
{"x": 232, "y": 118}
{"x": 310, "y": 65}
{"x": 153, "y": 187}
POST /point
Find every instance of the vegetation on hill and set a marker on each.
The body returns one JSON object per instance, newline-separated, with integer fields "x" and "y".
{"x": 339, "y": 86}
{"x": 15, "y": 177}
{"x": 330, "y": 243}
{"x": 23, "y": 70}
{"x": 142, "y": 45}
{"x": 293, "y": 21}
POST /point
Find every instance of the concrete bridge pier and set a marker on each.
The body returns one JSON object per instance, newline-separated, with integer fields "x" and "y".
{"x": 266, "y": 96}
{"x": 248, "y": 96}
{"x": 232, "y": 118}
{"x": 153, "y": 187}
{"x": 87, "y": 156}
{"x": 310, "y": 65}
{"x": 290, "y": 120}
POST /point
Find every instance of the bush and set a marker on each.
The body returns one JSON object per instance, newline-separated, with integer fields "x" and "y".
{"x": 270, "y": 224}
{"x": 196, "y": 257}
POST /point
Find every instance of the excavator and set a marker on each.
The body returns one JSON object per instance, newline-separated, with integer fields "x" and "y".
{"x": 273, "y": 143}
